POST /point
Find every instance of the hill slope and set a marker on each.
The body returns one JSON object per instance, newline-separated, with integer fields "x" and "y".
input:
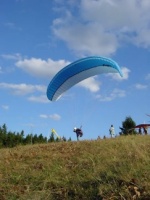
{"x": 103, "y": 169}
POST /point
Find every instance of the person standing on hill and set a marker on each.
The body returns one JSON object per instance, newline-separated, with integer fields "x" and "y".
{"x": 145, "y": 130}
{"x": 140, "y": 131}
{"x": 112, "y": 131}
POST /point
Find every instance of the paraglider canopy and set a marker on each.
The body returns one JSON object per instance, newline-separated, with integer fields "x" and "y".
{"x": 142, "y": 126}
{"x": 78, "y": 71}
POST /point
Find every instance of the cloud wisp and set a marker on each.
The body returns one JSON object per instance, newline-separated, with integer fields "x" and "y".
{"x": 116, "y": 93}
{"x": 54, "y": 116}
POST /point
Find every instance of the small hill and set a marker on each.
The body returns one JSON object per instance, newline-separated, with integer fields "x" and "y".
{"x": 102, "y": 169}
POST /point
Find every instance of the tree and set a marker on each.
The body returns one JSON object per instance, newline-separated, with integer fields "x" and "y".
{"x": 69, "y": 139}
{"x": 64, "y": 139}
{"x": 28, "y": 139}
{"x": 128, "y": 126}
{"x": 51, "y": 139}
{"x": 41, "y": 139}
{"x": 3, "y": 135}
{"x": 35, "y": 139}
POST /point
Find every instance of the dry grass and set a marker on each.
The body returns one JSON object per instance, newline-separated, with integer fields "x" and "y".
{"x": 104, "y": 169}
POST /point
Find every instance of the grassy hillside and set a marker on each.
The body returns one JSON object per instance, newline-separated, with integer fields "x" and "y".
{"x": 103, "y": 169}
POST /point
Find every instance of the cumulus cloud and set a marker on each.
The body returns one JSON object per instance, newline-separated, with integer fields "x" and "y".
{"x": 140, "y": 86}
{"x": 116, "y": 93}
{"x": 39, "y": 99}
{"x": 125, "y": 72}
{"x": 41, "y": 68}
{"x": 44, "y": 116}
{"x": 116, "y": 76}
{"x": 53, "y": 116}
{"x": 100, "y": 27}
{"x": 91, "y": 84}
{"x": 22, "y": 89}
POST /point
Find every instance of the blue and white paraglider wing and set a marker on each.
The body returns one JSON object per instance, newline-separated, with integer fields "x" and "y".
{"x": 78, "y": 71}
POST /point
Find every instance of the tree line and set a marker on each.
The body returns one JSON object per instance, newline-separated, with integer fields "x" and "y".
{"x": 12, "y": 139}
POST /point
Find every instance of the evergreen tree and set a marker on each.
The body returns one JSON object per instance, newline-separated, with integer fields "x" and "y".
{"x": 64, "y": 139}
{"x": 21, "y": 137}
{"x": 4, "y": 135}
{"x": 41, "y": 139}
{"x": 128, "y": 126}
{"x": 28, "y": 139}
{"x": 51, "y": 139}
{"x": 35, "y": 139}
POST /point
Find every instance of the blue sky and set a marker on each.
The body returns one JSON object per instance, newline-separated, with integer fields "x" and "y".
{"x": 38, "y": 38}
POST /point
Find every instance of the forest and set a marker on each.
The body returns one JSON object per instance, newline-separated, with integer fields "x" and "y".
{"x": 12, "y": 139}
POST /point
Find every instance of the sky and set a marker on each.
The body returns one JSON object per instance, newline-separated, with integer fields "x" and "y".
{"x": 38, "y": 38}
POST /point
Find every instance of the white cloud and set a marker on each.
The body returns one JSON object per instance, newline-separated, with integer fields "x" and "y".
{"x": 44, "y": 116}
{"x": 41, "y": 68}
{"x": 5, "y": 107}
{"x": 125, "y": 72}
{"x": 39, "y": 99}
{"x": 90, "y": 84}
{"x": 140, "y": 86}
{"x": 53, "y": 116}
{"x": 84, "y": 41}
{"x": 22, "y": 89}
{"x": 15, "y": 56}
{"x": 116, "y": 93}
{"x": 116, "y": 76}
{"x": 100, "y": 27}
